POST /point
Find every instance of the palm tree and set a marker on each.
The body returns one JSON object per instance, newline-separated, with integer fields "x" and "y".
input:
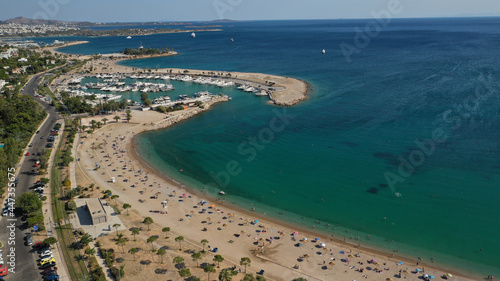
{"x": 166, "y": 230}
{"x": 135, "y": 231}
{"x": 204, "y": 242}
{"x": 104, "y": 120}
{"x": 99, "y": 124}
{"x": 116, "y": 225}
{"x": 93, "y": 124}
{"x": 208, "y": 269}
{"x": 147, "y": 221}
{"x": 196, "y": 256}
{"x": 179, "y": 239}
{"x": 244, "y": 262}
{"x": 90, "y": 251}
{"x": 117, "y": 118}
{"x": 151, "y": 240}
{"x": 129, "y": 115}
{"x": 161, "y": 253}
{"x": 133, "y": 251}
{"x": 218, "y": 259}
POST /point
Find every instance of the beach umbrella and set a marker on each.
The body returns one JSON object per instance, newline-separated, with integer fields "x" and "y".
{"x": 425, "y": 275}
{"x": 449, "y": 275}
{"x": 255, "y": 221}
{"x": 332, "y": 263}
{"x": 243, "y": 232}
{"x": 296, "y": 232}
{"x": 388, "y": 279}
{"x": 418, "y": 270}
{"x": 322, "y": 244}
{"x": 431, "y": 276}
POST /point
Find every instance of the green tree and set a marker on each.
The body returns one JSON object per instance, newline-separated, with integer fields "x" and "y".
{"x": 129, "y": 115}
{"x": 117, "y": 118}
{"x": 147, "y": 221}
{"x": 135, "y": 231}
{"x": 196, "y": 256}
{"x": 204, "y": 242}
{"x": 126, "y": 206}
{"x": 218, "y": 259}
{"x": 209, "y": 269}
{"x": 299, "y": 279}
{"x": 227, "y": 274}
{"x": 245, "y": 261}
{"x": 116, "y": 225}
{"x": 166, "y": 230}
{"x": 185, "y": 272}
{"x": 133, "y": 251}
{"x": 151, "y": 240}
{"x": 113, "y": 197}
{"x": 121, "y": 242}
{"x": 179, "y": 239}
{"x": 148, "y": 102}
{"x": 178, "y": 261}
{"x": 90, "y": 251}
{"x": 49, "y": 241}
{"x": 104, "y": 120}
{"x": 161, "y": 252}
{"x": 29, "y": 202}
{"x": 86, "y": 239}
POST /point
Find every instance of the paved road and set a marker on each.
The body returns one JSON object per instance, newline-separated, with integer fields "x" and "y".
{"x": 26, "y": 267}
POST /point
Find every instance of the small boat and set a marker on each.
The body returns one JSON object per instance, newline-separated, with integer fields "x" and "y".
{"x": 193, "y": 35}
{"x": 324, "y": 51}
{"x": 232, "y": 39}
{"x": 129, "y": 37}
{"x": 222, "y": 192}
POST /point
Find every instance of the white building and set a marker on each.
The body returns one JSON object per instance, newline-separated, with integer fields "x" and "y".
{"x": 2, "y": 84}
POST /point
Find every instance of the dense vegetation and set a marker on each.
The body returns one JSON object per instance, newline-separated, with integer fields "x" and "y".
{"x": 145, "y": 51}
{"x": 19, "y": 119}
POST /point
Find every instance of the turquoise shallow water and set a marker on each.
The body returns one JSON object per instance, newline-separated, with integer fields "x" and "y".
{"x": 328, "y": 164}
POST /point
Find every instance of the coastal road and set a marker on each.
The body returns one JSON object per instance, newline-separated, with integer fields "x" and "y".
{"x": 26, "y": 267}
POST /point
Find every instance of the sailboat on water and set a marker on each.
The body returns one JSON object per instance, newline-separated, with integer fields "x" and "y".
{"x": 193, "y": 35}
{"x": 323, "y": 52}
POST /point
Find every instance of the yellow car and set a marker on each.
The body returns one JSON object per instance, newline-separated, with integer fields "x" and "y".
{"x": 44, "y": 261}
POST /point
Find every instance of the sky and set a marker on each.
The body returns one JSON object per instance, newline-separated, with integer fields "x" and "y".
{"x": 205, "y": 10}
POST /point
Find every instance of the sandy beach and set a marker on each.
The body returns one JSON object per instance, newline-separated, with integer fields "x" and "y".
{"x": 283, "y": 252}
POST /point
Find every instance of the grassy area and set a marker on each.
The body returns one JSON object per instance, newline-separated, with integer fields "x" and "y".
{"x": 76, "y": 267}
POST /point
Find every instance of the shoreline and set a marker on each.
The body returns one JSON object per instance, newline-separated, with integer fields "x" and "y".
{"x": 133, "y": 148}
{"x": 251, "y": 77}
{"x": 139, "y": 162}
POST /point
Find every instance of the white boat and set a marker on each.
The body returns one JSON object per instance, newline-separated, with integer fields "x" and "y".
{"x": 232, "y": 39}
{"x": 324, "y": 51}
{"x": 193, "y": 35}
{"x": 128, "y": 37}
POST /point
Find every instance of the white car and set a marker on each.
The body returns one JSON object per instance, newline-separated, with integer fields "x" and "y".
{"x": 46, "y": 253}
{"x": 49, "y": 256}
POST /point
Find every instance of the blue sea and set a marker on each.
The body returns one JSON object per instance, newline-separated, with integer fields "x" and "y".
{"x": 396, "y": 147}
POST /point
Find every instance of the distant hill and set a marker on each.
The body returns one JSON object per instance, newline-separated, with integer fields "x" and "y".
{"x": 23, "y": 20}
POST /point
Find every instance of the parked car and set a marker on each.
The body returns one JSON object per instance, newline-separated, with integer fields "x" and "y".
{"x": 42, "y": 249}
{"x": 29, "y": 240}
{"x": 45, "y": 252}
{"x": 52, "y": 277}
{"x": 47, "y": 260}
{"x": 3, "y": 271}
{"x": 49, "y": 145}
{"x": 49, "y": 269}
{"x": 30, "y": 145}
{"x": 47, "y": 265}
